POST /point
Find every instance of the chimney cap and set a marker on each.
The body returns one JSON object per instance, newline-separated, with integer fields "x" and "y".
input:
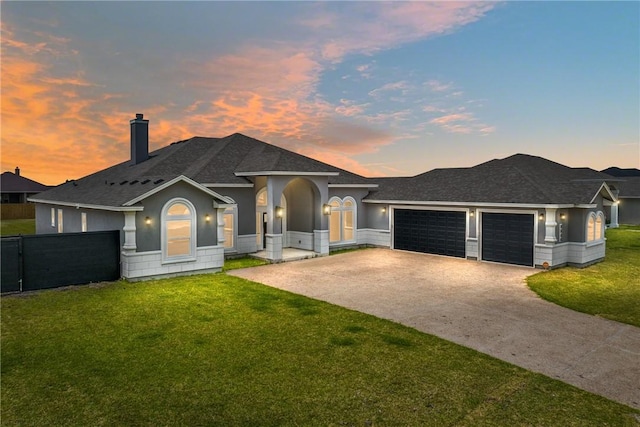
{"x": 139, "y": 116}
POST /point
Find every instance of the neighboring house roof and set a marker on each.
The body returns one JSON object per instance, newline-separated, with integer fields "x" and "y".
{"x": 203, "y": 160}
{"x": 629, "y": 187}
{"x": 518, "y": 179}
{"x": 12, "y": 183}
{"x": 618, "y": 172}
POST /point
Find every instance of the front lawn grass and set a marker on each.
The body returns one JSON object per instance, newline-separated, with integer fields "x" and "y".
{"x": 218, "y": 350}
{"x": 609, "y": 289}
{"x": 243, "y": 262}
{"x": 14, "y": 227}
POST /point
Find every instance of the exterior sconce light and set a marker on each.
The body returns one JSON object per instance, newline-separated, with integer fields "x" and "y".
{"x": 207, "y": 217}
{"x": 384, "y": 210}
{"x": 326, "y": 209}
{"x": 541, "y": 217}
{"x": 147, "y": 221}
{"x": 562, "y": 216}
{"x": 472, "y": 213}
{"x": 279, "y": 212}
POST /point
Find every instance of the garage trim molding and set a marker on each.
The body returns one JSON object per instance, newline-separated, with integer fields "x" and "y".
{"x": 392, "y": 209}
{"x": 505, "y": 211}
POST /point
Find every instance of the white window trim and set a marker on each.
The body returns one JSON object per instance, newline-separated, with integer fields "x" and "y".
{"x": 591, "y": 237}
{"x": 83, "y": 221}
{"x": 53, "y": 217}
{"x": 342, "y": 209}
{"x": 232, "y": 211}
{"x": 60, "y": 221}
{"x": 163, "y": 232}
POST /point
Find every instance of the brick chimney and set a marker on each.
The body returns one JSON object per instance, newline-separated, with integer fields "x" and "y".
{"x": 17, "y": 171}
{"x": 139, "y": 139}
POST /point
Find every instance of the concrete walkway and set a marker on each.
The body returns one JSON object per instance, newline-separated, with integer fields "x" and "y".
{"x": 484, "y": 306}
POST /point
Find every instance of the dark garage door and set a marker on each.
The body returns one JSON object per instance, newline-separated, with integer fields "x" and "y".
{"x": 507, "y": 238}
{"x": 433, "y": 232}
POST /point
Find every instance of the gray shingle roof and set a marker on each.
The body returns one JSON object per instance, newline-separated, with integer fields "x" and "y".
{"x": 12, "y": 183}
{"x": 629, "y": 186}
{"x": 204, "y": 160}
{"x": 521, "y": 178}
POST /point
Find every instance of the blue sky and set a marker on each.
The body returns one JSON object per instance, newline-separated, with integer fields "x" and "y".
{"x": 374, "y": 87}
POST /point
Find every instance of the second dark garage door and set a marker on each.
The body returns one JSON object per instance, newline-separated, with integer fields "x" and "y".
{"x": 429, "y": 231}
{"x": 507, "y": 238}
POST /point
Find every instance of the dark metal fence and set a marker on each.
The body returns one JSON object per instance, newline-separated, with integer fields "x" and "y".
{"x": 53, "y": 260}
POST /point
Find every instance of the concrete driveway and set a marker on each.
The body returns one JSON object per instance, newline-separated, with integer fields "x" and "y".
{"x": 484, "y": 306}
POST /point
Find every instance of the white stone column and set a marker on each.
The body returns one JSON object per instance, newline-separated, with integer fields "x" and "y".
{"x": 614, "y": 215}
{"x": 550, "y": 225}
{"x": 129, "y": 231}
{"x": 321, "y": 242}
{"x": 274, "y": 247}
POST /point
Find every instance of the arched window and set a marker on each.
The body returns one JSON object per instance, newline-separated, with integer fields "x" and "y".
{"x": 178, "y": 230}
{"x": 342, "y": 221}
{"x": 591, "y": 227}
{"x": 595, "y": 226}
{"x": 599, "y": 226}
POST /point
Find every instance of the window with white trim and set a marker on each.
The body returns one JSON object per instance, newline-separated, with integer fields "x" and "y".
{"x": 342, "y": 221}
{"x": 178, "y": 230}
{"x": 60, "y": 222}
{"x": 53, "y": 217}
{"x": 83, "y": 219}
{"x": 229, "y": 218}
{"x": 595, "y": 226}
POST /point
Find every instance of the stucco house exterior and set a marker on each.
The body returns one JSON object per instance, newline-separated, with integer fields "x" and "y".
{"x": 183, "y": 208}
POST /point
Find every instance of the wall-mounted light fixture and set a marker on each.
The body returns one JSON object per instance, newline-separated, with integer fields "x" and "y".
{"x": 541, "y": 217}
{"x": 384, "y": 210}
{"x": 472, "y": 213}
{"x": 279, "y": 211}
{"x": 326, "y": 209}
{"x": 147, "y": 221}
{"x": 207, "y": 218}
{"x": 562, "y": 216}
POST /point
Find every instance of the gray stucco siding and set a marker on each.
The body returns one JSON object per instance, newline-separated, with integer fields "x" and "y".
{"x": 629, "y": 211}
{"x": 148, "y": 235}
{"x": 246, "y": 200}
{"x": 97, "y": 220}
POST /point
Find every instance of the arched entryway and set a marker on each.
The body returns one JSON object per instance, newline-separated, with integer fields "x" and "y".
{"x": 261, "y": 218}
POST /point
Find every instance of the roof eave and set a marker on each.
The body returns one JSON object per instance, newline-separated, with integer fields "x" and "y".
{"x": 88, "y": 205}
{"x": 285, "y": 173}
{"x": 473, "y": 204}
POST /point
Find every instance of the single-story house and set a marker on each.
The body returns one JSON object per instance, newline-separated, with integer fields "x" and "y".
{"x": 16, "y": 188}
{"x": 184, "y": 207}
{"x": 628, "y": 184}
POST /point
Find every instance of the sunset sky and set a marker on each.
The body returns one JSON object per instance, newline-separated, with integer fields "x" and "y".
{"x": 381, "y": 89}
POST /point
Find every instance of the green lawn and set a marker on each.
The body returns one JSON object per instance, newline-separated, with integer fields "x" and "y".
{"x": 608, "y": 289}
{"x": 13, "y": 227}
{"x": 218, "y": 350}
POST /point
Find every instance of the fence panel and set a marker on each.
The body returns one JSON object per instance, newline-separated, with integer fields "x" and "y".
{"x": 10, "y": 269}
{"x": 17, "y": 211}
{"x": 53, "y": 260}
